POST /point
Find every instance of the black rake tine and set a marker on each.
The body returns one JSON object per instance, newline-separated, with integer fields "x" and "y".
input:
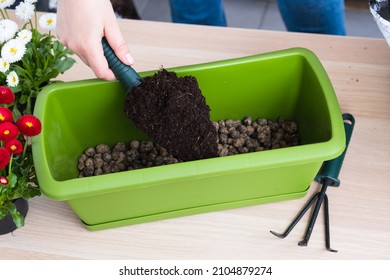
{"x": 314, "y": 215}
{"x": 297, "y": 219}
{"x": 327, "y": 227}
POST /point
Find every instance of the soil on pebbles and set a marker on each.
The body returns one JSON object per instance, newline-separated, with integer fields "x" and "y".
{"x": 233, "y": 137}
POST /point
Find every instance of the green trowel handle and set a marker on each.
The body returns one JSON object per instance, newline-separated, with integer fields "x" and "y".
{"x": 128, "y": 77}
{"x": 330, "y": 169}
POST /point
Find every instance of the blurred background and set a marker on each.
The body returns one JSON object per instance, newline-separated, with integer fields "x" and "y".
{"x": 257, "y": 14}
{"x": 264, "y": 14}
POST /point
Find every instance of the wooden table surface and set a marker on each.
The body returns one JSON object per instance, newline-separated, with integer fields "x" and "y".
{"x": 359, "y": 69}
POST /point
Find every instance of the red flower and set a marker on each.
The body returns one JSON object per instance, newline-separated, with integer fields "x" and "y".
{"x": 6, "y": 95}
{"x": 4, "y": 158}
{"x": 6, "y": 115}
{"x": 8, "y": 131}
{"x": 14, "y": 146}
{"x": 29, "y": 125}
{"x": 3, "y": 180}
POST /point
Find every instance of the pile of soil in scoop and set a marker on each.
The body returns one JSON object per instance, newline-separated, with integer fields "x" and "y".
{"x": 172, "y": 111}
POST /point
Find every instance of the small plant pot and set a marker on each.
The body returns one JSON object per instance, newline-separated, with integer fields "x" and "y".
{"x": 7, "y": 225}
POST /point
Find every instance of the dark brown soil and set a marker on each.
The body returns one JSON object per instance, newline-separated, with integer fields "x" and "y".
{"x": 173, "y": 112}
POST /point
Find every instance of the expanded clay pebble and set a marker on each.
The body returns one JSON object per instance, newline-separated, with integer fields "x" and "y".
{"x": 248, "y": 135}
{"x": 234, "y": 137}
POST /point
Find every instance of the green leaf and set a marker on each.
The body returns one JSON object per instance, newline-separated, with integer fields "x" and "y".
{"x": 22, "y": 182}
{"x": 65, "y": 64}
{"x": 31, "y": 192}
{"x": 18, "y": 219}
{"x": 12, "y": 180}
{"x": 10, "y": 207}
{"x": 2, "y": 213}
{"x": 23, "y": 99}
{"x": 16, "y": 112}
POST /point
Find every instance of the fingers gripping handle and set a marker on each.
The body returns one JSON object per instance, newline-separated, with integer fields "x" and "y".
{"x": 128, "y": 77}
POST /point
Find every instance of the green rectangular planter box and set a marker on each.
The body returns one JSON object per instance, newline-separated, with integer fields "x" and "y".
{"x": 290, "y": 83}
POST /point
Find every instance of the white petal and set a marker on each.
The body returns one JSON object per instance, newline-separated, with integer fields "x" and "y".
{"x": 12, "y": 79}
{"x": 13, "y": 50}
{"x": 25, "y": 11}
{"x": 48, "y": 21}
{"x": 8, "y": 28}
{"x": 4, "y": 65}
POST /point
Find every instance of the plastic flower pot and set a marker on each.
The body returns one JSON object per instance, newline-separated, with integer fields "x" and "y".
{"x": 290, "y": 83}
{"x": 7, "y": 225}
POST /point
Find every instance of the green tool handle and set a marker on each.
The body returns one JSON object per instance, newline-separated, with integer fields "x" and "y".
{"x": 330, "y": 169}
{"x": 128, "y": 77}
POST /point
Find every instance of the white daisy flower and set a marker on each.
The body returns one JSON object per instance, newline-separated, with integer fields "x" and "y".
{"x": 4, "y": 65}
{"x": 25, "y": 11}
{"x": 12, "y": 79}
{"x": 25, "y": 35}
{"x": 8, "y": 28}
{"x": 48, "y": 21}
{"x": 13, "y": 50}
{"x": 6, "y": 3}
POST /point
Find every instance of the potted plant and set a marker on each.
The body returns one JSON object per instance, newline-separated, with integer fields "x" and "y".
{"x": 17, "y": 174}
{"x": 29, "y": 60}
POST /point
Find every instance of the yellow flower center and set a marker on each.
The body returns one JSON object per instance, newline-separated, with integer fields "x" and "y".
{"x": 6, "y": 132}
{"x": 13, "y": 51}
{"x": 49, "y": 21}
{"x": 29, "y": 124}
{"x": 3, "y": 181}
{"x": 2, "y": 118}
{"x": 5, "y": 64}
{"x": 13, "y": 148}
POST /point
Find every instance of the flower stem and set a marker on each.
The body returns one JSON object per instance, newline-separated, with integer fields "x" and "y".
{"x": 36, "y": 18}
{"x": 25, "y": 147}
{"x": 10, "y": 164}
{"x": 2, "y": 13}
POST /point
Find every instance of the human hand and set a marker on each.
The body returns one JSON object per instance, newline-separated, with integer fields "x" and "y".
{"x": 81, "y": 26}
